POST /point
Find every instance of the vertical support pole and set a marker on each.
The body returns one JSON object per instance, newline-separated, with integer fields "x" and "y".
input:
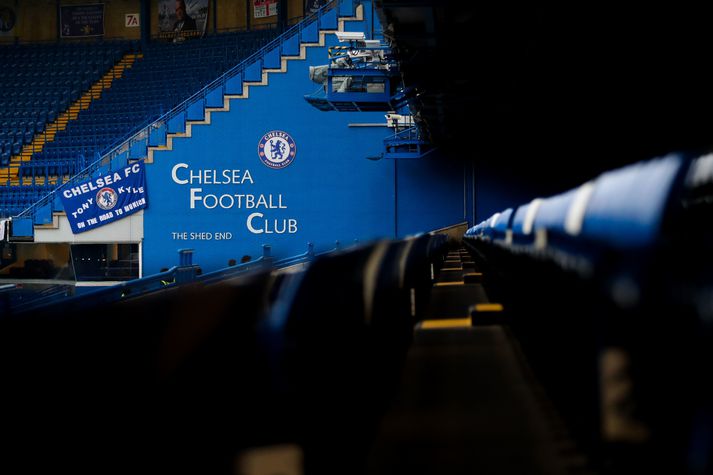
{"x": 145, "y": 17}
{"x": 141, "y": 259}
{"x": 465, "y": 194}
{"x": 282, "y": 15}
{"x": 473, "y": 185}
{"x": 59, "y": 21}
{"x": 396, "y": 198}
{"x": 215, "y": 16}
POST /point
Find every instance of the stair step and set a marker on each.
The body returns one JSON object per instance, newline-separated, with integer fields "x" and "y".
{"x": 254, "y": 73}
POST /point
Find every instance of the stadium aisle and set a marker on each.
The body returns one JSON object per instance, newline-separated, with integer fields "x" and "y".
{"x": 468, "y": 403}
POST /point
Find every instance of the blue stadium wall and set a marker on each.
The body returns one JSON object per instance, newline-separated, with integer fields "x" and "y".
{"x": 330, "y": 192}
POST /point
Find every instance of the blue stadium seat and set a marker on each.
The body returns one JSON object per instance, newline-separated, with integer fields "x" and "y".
{"x": 523, "y": 220}
{"x": 552, "y": 212}
{"x": 627, "y": 206}
{"x": 501, "y": 224}
{"x": 43, "y": 80}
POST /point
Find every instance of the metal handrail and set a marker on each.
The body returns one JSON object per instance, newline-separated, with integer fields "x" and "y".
{"x": 44, "y": 297}
{"x": 142, "y": 132}
{"x": 229, "y": 272}
{"x": 411, "y": 132}
{"x": 180, "y": 275}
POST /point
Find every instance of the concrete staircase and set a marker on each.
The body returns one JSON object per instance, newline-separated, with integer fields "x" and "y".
{"x": 216, "y": 97}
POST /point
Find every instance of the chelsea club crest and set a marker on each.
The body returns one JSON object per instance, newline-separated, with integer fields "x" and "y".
{"x": 106, "y": 198}
{"x": 277, "y": 149}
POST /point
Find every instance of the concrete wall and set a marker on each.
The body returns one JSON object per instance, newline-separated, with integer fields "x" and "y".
{"x": 330, "y": 192}
{"x": 37, "y": 19}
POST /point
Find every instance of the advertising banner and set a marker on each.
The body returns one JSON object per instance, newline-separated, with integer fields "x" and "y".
{"x": 312, "y": 6}
{"x": 8, "y": 18}
{"x": 182, "y": 18}
{"x": 112, "y": 196}
{"x": 264, "y": 8}
{"x": 79, "y": 21}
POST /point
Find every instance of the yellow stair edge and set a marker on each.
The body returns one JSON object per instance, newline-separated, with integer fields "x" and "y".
{"x": 72, "y": 112}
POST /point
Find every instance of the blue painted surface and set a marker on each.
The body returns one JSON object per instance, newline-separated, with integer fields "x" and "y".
{"x": 234, "y": 85}
{"x": 215, "y": 97}
{"x": 346, "y": 8}
{"x": 177, "y": 124}
{"x": 310, "y": 34}
{"x": 291, "y": 46}
{"x": 430, "y": 194}
{"x": 329, "y": 192}
{"x": 196, "y": 111}
{"x": 253, "y": 73}
{"x": 158, "y": 135}
{"x": 138, "y": 149}
{"x": 329, "y": 20}
{"x": 22, "y": 227}
{"x": 272, "y": 59}
{"x": 44, "y": 214}
{"x": 370, "y": 25}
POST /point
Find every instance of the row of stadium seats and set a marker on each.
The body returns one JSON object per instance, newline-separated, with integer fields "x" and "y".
{"x": 198, "y": 373}
{"x": 24, "y": 190}
{"x": 18, "y": 198}
{"x": 51, "y": 167}
{"x": 152, "y": 86}
{"x": 41, "y": 81}
{"x": 8, "y": 147}
{"x": 33, "y": 90}
{"x": 21, "y": 132}
{"x": 624, "y": 209}
{"x": 63, "y": 49}
{"x": 42, "y": 109}
{"x": 51, "y": 67}
{"x": 18, "y": 111}
{"x": 606, "y": 286}
{"x": 41, "y": 89}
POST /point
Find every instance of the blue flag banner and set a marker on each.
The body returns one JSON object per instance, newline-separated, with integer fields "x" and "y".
{"x": 78, "y": 21}
{"x": 108, "y": 198}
